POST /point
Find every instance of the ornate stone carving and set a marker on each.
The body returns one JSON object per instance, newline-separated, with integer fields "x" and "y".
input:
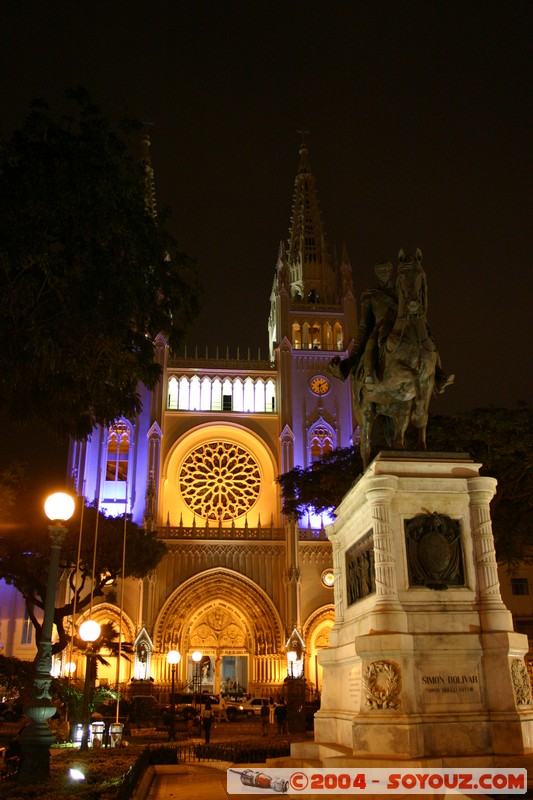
{"x": 434, "y": 551}
{"x": 382, "y": 683}
{"x": 360, "y": 573}
{"x": 219, "y": 628}
{"x": 521, "y": 683}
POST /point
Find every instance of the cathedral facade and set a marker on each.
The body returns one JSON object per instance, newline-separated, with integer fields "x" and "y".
{"x": 241, "y": 584}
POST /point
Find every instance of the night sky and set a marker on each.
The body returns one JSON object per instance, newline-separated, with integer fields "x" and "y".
{"x": 419, "y": 134}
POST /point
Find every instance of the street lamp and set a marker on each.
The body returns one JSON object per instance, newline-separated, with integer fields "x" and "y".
{"x": 36, "y": 738}
{"x": 89, "y": 631}
{"x": 197, "y": 657}
{"x": 173, "y": 658}
{"x": 292, "y": 655}
{"x": 295, "y": 691}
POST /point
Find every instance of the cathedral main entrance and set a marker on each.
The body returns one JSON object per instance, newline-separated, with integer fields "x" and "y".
{"x": 235, "y": 627}
{"x": 227, "y": 674}
{"x": 234, "y": 675}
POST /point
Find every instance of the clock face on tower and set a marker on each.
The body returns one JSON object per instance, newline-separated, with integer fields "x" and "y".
{"x": 319, "y": 385}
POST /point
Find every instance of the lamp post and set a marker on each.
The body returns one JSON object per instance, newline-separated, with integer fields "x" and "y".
{"x": 295, "y": 691}
{"x": 89, "y": 631}
{"x": 36, "y": 738}
{"x": 69, "y": 669}
{"x": 197, "y": 657}
{"x": 173, "y": 658}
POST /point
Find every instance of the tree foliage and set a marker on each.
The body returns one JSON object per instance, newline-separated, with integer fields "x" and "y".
{"x": 500, "y": 439}
{"x": 27, "y": 568}
{"x": 321, "y": 486}
{"x": 13, "y": 479}
{"x": 16, "y": 676}
{"x": 88, "y": 275}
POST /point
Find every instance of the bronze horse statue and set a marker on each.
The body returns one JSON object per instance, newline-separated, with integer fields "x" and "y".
{"x": 405, "y": 367}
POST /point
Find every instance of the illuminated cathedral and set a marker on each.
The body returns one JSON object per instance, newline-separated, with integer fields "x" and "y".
{"x": 249, "y": 589}
{"x": 240, "y": 583}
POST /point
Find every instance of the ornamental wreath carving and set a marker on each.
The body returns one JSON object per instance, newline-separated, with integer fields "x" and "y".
{"x": 382, "y": 682}
{"x": 434, "y": 551}
{"x": 521, "y": 683}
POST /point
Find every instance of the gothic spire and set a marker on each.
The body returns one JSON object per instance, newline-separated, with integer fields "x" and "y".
{"x": 310, "y": 270}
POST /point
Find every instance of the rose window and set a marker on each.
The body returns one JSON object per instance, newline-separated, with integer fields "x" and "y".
{"x": 220, "y": 480}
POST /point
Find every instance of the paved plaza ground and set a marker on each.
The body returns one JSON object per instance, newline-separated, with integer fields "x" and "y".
{"x": 207, "y": 781}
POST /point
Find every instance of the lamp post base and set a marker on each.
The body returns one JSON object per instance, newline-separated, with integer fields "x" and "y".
{"x": 35, "y": 741}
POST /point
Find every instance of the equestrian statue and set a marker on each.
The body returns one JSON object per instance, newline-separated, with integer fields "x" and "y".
{"x": 394, "y": 364}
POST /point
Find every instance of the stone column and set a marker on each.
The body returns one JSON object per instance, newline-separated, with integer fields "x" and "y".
{"x": 493, "y": 613}
{"x": 379, "y": 494}
{"x": 337, "y": 585}
{"x": 292, "y": 576}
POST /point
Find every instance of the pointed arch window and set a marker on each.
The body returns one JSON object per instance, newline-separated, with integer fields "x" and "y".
{"x": 183, "y": 401}
{"x": 328, "y": 336}
{"x": 216, "y": 395}
{"x": 296, "y": 336}
{"x": 173, "y": 393}
{"x": 248, "y": 395}
{"x": 227, "y": 396}
{"x": 321, "y": 441}
{"x": 305, "y": 336}
{"x": 194, "y": 396}
{"x": 259, "y": 395}
{"x": 118, "y": 451}
{"x": 338, "y": 336}
{"x": 238, "y": 395}
{"x": 205, "y": 395}
{"x": 270, "y": 396}
{"x": 316, "y": 336}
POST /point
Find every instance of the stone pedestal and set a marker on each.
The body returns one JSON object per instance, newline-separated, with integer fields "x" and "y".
{"x": 423, "y": 660}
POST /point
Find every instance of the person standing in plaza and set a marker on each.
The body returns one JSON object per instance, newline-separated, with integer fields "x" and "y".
{"x": 207, "y": 718}
{"x": 280, "y": 714}
{"x": 265, "y": 715}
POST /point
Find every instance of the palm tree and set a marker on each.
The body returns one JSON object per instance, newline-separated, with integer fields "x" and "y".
{"x": 71, "y": 691}
{"x": 109, "y": 640}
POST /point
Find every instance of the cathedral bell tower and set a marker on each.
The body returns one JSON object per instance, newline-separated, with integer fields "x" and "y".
{"x": 312, "y": 319}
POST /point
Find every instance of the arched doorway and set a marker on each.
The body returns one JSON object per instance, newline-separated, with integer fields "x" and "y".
{"x": 122, "y": 628}
{"x": 233, "y": 622}
{"x": 316, "y": 635}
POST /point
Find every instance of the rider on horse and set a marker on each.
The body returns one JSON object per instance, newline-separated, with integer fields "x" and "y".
{"x": 379, "y": 307}
{"x": 378, "y": 312}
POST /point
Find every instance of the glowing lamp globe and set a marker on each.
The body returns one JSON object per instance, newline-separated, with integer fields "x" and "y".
{"x": 89, "y": 630}
{"x": 292, "y": 655}
{"x": 173, "y": 657}
{"x": 59, "y": 506}
{"x": 196, "y": 656}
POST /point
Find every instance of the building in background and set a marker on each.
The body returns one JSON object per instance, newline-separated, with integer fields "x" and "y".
{"x": 240, "y": 583}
